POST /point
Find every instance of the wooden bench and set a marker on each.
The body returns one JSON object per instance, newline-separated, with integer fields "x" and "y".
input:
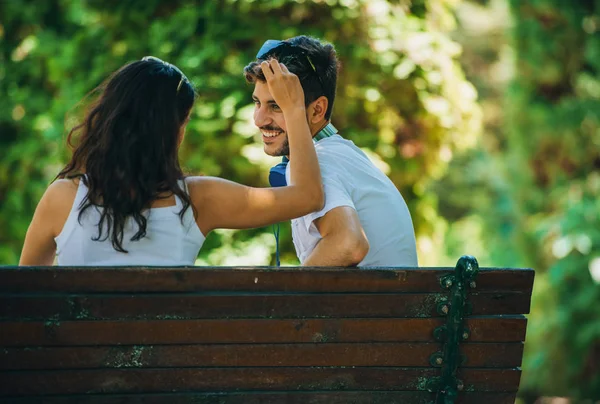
{"x": 262, "y": 335}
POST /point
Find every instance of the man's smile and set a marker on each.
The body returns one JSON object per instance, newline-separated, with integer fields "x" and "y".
{"x": 270, "y": 135}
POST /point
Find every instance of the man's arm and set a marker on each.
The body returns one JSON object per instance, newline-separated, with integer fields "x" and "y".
{"x": 344, "y": 242}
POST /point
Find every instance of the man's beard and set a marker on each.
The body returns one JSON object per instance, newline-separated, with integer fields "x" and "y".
{"x": 284, "y": 150}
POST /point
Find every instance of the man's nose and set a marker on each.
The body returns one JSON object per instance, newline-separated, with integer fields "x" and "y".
{"x": 261, "y": 117}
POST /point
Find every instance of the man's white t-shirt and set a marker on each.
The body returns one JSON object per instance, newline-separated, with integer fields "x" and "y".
{"x": 351, "y": 179}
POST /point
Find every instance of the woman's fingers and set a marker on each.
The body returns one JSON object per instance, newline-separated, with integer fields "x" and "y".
{"x": 272, "y": 68}
{"x": 275, "y": 66}
{"x": 284, "y": 86}
{"x": 266, "y": 69}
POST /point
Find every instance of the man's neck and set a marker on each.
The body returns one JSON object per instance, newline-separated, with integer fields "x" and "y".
{"x": 323, "y": 132}
{"x": 320, "y": 128}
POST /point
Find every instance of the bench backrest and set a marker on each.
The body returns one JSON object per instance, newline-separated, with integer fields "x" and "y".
{"x": 262, "y": 335}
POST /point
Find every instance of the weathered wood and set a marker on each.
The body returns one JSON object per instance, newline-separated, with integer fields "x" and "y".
{"x": 254, "y": 355}
{"x": 50, "y": 333}
{"x": 156, "y": 279}
{"x": 194, "y": 306}
{"x": 231, "y": 335}
{"x": 252, "y": 397}
{"x": 231, "y": 379}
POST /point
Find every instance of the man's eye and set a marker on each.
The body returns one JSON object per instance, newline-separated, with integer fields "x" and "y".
{"x": 276, "y": 107}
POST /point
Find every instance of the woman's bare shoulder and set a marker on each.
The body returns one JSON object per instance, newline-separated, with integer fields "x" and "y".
{"x": 61, "y": 193}
{"x": 64, "y": 185}
{"x": 199, "y": 185}
{"x": 200, "y": 188}
{"x": 55, "y": 205}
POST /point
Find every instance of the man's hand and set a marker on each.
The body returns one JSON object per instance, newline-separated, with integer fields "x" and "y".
{"x": 344, "y": 242}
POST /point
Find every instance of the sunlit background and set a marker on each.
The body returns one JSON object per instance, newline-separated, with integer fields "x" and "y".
{"x": 485, "y": 114}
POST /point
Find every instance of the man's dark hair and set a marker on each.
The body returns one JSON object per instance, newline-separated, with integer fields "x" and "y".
{"x": 126, "y": 153}
{"x": 323, "y": 58}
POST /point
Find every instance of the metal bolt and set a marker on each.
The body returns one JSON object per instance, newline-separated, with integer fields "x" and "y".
{"x": 448, "y": 283}
{"x": 445, "y": 309}
{"x": 440, "y": 333}
{"x": 465, "y": 335}
{"x": 439, "y": 361}
{"x": 473, "y": 284}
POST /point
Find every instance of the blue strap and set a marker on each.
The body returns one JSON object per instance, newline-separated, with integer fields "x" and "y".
{"x": 277, "y": 174}
{"x": 277, "y": 179}
{"x": 276, "y": 233}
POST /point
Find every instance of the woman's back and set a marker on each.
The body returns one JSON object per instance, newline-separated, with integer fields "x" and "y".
{"x": 169, "y": 240}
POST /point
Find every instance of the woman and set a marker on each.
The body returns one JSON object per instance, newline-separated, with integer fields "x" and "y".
{"x": 123, "y": 198}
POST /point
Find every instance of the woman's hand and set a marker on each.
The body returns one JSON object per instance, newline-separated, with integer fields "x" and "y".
{"x": 284, "y": 86}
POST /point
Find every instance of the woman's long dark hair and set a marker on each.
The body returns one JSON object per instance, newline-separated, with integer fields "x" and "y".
{"x": 128, "y": 145}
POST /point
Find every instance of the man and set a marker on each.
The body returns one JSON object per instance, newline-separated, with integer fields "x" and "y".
{"x": 365, "y": 220}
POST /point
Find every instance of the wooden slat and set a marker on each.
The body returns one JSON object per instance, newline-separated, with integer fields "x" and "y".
{"x": 50, "y": 333}
{"x": 193, "y": 306}
{"x": 292, "y": 397}
{"x": 144, "y": 279}
{"x": 479, "y": 355}
{"x": 231, "y": 379}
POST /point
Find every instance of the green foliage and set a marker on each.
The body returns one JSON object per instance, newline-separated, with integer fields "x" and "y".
{"x": 533, "y": 181}
{"x": 556, "y": 182}
{"x": 527, "y": 194}
{"x": 402, "y": 94}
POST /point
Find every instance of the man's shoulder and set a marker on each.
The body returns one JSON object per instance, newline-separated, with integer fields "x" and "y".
{"x": 336, "y": 147}
{"x": 333, "y": 142}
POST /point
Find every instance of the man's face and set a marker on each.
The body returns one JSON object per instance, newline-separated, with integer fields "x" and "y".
{"x": 268, "y": 117}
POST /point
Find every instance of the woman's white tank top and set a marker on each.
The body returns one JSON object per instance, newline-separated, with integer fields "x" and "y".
{"x": 168, "y": 240}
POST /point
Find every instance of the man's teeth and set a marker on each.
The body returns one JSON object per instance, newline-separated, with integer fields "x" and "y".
{"x": 270, "y": 134}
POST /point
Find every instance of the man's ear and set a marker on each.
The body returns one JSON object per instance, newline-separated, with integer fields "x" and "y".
{"x": 317, "y": 109}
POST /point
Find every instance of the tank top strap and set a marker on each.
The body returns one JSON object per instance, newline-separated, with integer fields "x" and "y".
{"x": 183, "y": 185}
{"x": 73, "y": 219}
{"x": 82, "y": 191}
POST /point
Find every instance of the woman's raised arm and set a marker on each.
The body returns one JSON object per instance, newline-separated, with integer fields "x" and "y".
{"x": 225, "y": 204}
